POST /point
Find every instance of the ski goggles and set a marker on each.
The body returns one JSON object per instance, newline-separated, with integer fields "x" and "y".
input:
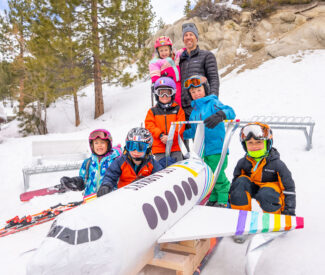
{"x": 164, "y": 92}
{"x": 191, "y": 25}
{"x": 136, "y": 145}
{"x": 257, "y": 131}
{"x": 99, "y": 134}
{"x": 193, "y": 81}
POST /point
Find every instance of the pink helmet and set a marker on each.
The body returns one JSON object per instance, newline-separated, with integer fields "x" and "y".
{"x": 163, "y": 41}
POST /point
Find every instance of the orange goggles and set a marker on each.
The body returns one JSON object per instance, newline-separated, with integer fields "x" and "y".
{"x": 194, "y": 82}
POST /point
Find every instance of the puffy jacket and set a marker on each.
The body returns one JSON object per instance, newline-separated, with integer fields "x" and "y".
{"x": 97, "y": 169}
{"x": 122, "y": 171}
{"x": 269, "y": 170}
{"x": 159, "y": 67}
{"x": 158, "y": 121}
{"x": 198, "y": 62}
{"x": 202, "y": 109}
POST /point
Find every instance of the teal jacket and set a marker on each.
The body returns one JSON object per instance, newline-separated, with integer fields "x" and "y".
{"x": 202, "y": 109}
{"x": 97, "y": 169}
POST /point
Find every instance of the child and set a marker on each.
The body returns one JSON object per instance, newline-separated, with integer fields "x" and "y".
{"x": 166, "y": 64}
{"x": 159, "y": 118}
{"x": 93, "y": 169}
{"x": 208, "y": 108}
{"x": 261, "y": 174}
{"x": 136, "y": 162}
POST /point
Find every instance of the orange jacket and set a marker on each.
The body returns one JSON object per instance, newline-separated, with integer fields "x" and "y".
{"x": 158, "y": 121}
{"x": 122, "y": 171}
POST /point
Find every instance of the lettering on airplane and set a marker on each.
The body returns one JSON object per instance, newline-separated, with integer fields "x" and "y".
{"x": 149, "y": 179}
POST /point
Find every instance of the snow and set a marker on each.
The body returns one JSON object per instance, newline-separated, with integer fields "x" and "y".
{"x": 282, "y": 87}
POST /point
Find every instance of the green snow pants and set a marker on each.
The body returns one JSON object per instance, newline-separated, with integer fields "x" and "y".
{"x": 221, "y": 189}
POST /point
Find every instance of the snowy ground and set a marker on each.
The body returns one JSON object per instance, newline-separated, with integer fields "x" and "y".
{"x": 281, "y": 86}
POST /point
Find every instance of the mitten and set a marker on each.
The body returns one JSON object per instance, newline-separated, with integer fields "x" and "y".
{"x": 74, "y": 184}
{"x": 103, "y": 190}
{"x": 213, "y": 120}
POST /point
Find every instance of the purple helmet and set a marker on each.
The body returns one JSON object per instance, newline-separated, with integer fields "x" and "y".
{"x": 165, "y": 82}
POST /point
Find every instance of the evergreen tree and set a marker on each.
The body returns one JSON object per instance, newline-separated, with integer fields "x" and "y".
{"x": 18, "y": 25}
{"x": 111, "y": 30}
{"x": 187, "y": 8}
{"x": 72, "y": 64}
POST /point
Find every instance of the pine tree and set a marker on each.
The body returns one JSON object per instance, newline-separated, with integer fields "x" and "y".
{"x": 19, "y": 27}
{"x": 187, "y": 8}
{"x": 71, "y": 62}
{"x": 111, "y": 30}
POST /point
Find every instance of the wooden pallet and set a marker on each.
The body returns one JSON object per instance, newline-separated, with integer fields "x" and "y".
{"x": 183, "y": 257}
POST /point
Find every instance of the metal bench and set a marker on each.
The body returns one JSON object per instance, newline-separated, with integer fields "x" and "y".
{"x": 305, "y": 124}
{"x": 66, "y": 155}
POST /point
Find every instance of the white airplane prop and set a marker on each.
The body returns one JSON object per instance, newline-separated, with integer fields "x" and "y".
{"x": 116, "y": 233}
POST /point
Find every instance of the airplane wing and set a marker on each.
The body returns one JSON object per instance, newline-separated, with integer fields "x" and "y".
{"x": 207, "y": 222}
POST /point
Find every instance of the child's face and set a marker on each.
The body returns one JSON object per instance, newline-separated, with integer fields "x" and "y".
{"x": 164, "y": 51}
{"x": 135, "y": 154}
{"x": 197, "y": 92}
{"x": 165, "y": 99}
{"x": 100, "y": 146}
{"x": 254, "y": 145}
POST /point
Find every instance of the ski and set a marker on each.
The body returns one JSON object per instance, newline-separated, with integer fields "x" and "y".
{"x": 59, "y": 188}
{"x": 17, "y": 224}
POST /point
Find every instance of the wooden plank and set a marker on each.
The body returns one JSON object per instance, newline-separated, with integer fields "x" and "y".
{"x": 170, "y": 260}
{"x": 178, "y": 247}
{"x": 183, "y": 264}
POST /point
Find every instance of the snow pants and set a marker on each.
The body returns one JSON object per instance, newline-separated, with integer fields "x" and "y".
{"x": 221, "y": 188}
{"x": 268, "y": 195}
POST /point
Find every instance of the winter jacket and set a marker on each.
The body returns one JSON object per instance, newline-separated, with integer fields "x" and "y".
{"x": 167, "y": 67}
{"x": 122, "y": 171}
{"x": 198, "y": 62}
{"x": 270, "y": 172}
{"x": 97, "y": 169}
{"x": 158, "y": 121}
{"x": 202, "y": 109}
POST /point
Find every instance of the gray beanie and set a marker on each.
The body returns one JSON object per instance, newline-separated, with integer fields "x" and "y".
{"x": 190, "y": 27}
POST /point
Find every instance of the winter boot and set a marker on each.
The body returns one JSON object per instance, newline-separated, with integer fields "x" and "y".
{"x": 240, "y": 238}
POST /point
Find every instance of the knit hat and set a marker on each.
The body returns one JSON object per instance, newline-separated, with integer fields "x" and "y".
{"x": 190, "y": 27}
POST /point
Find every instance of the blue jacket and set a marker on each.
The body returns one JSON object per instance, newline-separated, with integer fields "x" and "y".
{"x": 123, "y": 171}
{"x": 97, "y": 170}
{"x": 202, "y": 109}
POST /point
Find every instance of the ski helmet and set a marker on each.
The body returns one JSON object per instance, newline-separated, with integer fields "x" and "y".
{"x": 167, "y": 83}
{"x": 258, "y": 131}
{"x": 140, "y": 134}
{"x": 197, "y": 81}
{"x": 102, "y": 134}
{"x": 163, "y": 41}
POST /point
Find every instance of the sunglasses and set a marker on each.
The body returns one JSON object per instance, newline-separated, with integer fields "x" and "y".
{"x": 136, "y": 145}
{"x": 192, "y": 25}
{"x": 195, "y": 82}
{"x": 164, "y": 91}
{"x": 256, "y": 131}
{"x": 98, "y": 134}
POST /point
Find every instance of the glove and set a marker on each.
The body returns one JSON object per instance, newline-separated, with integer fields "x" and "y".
{"x": 289, "y": 211}
{"x": 213, "y": 120}
{"x": 74, "y": 184}
{"x": 103, "y": 190}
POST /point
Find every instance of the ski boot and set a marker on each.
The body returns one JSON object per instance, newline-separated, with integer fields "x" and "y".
{"x": 216, "y": 204}
{"x": 240, "y": 238}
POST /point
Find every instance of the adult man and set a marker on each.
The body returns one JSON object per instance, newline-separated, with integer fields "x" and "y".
{"x": 194, "y": 61}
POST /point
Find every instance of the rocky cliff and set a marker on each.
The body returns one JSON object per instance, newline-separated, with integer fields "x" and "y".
{"x": 249, "y": 42}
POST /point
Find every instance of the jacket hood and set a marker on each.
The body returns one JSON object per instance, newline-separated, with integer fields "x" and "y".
{"x": 201, "y": 101}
